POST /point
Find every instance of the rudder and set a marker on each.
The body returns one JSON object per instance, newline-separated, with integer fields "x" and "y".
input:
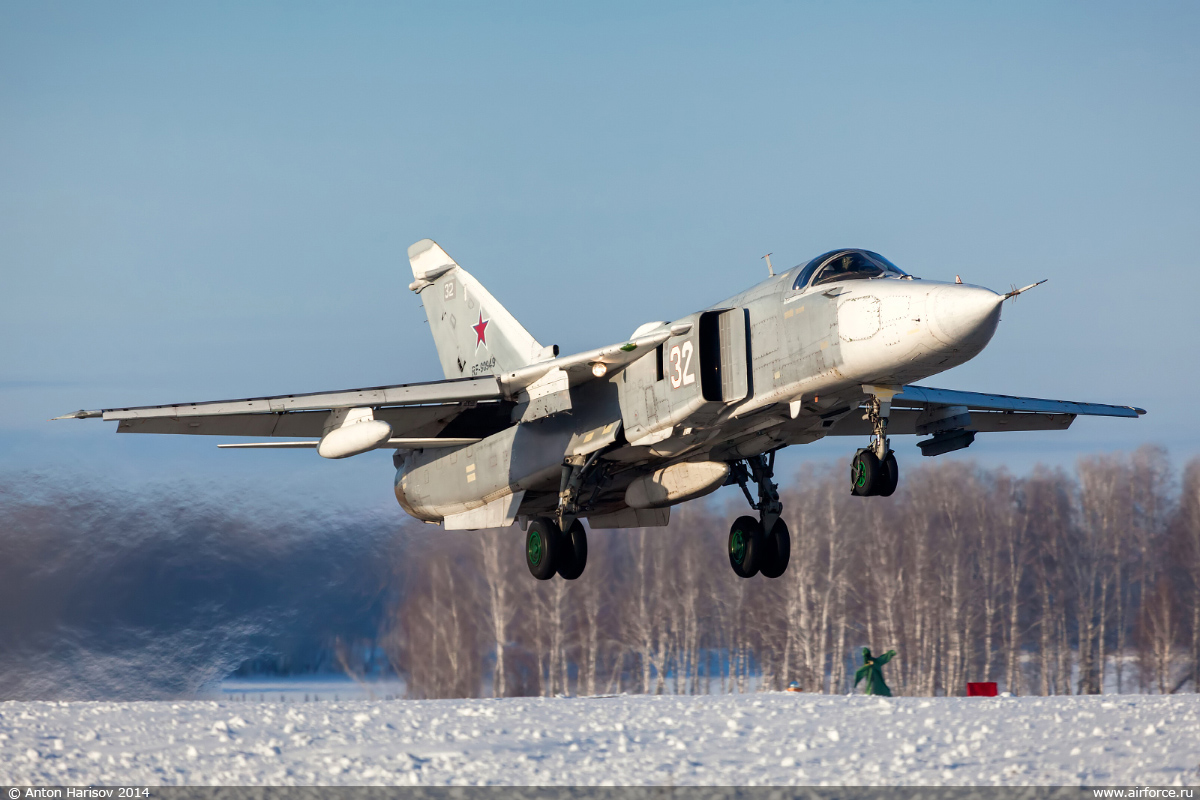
{"x": 473, "y": 333}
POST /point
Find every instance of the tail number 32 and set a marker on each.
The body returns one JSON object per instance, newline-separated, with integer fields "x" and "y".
{"x": 680, "y": 360}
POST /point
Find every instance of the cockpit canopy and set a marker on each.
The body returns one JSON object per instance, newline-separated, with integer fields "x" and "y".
{"x": 846, "y": 265}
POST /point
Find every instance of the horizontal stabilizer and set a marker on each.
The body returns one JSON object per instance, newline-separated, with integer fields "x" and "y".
{"x": 500, "y": 513}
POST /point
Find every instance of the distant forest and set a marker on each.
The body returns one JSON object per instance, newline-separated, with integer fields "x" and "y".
{"x": 1055, "y": 583}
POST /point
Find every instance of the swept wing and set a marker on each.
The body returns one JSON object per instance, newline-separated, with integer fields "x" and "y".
{"x": 922, "y": 396}
{"x": 923, "y": 409}
{"x": 417, "y": 413}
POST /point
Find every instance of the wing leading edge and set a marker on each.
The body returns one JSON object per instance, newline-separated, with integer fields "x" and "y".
{"x": 434, "y": 392}
{"x": 461, "y": 410}
{"x": 922, "y": 396}
{"x": 925, "y": 410}
{"x": 408, "y": 416}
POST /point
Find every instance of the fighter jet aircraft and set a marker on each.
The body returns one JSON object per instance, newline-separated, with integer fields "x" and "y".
{"x": 620, "y": 434}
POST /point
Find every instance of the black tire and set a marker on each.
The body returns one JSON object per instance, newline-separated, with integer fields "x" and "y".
{"x": 572, "y": 558}
{"x": 890, "y": 476}
{"x": 864, "y": 473}
{"x": 543, "y": 543}
{"x": 746, "y": 546}
{"x": 779, "y": 548}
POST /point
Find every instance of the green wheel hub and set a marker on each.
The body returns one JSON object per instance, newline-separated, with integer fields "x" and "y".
{"x": 860, "y": 474}
{"x": 737, "y": 546}
{"x": 535, "y": 548}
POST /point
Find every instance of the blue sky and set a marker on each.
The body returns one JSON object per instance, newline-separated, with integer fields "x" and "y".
{"x": 212, "y": 201}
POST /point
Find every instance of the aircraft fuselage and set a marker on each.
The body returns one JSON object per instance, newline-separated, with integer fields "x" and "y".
{"x": 805, "y": 350}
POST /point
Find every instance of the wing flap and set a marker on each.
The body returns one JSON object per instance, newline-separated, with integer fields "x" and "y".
{"x": 405, "y": 420}
{"x": 302, "y": 423}
{"x": 436, "y": 392}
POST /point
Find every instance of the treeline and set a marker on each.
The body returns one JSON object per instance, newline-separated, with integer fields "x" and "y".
{"x": 1055, "y": 583}
{"x": 113, "y": 590}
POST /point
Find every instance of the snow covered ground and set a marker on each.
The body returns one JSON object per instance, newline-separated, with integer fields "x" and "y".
{"x": 739, "y": 740}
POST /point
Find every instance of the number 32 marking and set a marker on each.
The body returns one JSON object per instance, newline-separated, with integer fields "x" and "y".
{"x": 681, "y": 365}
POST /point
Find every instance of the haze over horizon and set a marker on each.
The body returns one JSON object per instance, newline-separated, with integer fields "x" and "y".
{"x": 205, "y": 203}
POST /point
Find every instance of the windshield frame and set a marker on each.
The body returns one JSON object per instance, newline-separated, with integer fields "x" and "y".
{"x": 809, "y": 272}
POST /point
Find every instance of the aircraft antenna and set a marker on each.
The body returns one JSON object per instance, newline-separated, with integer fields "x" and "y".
{"x": 1015, "y": 291}
{"x": 770, "y": 269}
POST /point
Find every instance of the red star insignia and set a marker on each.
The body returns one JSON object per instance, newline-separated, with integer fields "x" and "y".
{"x": 480, "y": 329}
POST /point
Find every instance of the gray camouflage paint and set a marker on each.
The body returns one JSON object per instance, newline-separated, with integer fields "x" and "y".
{"x": 789, "y": 344}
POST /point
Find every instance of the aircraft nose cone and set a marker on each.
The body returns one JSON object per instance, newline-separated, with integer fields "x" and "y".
{"x": 964, "y": 316}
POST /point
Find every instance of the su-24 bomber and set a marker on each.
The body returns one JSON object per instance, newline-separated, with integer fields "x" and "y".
{"x": 620, "y": 434}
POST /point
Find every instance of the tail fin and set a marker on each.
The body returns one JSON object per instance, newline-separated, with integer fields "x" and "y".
{"x": 474, "y": 334}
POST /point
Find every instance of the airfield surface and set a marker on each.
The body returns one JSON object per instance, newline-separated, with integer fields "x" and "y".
{"x": 754, "y": 739}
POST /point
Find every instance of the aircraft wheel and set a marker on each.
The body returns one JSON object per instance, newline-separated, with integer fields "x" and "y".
{"x": 746, "y": 546}
{"x": 543, "y": 542}
{"x": 572, "y": 558}
{"x": 864, "y": 473}
{"x": 779, "y": 550}
{"x": 889, "y": 476}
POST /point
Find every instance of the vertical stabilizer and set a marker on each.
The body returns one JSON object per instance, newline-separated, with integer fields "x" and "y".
{"x": 474, "y": 334}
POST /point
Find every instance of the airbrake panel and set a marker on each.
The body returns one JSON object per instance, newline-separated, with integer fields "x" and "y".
{"x": 724, "y": 366}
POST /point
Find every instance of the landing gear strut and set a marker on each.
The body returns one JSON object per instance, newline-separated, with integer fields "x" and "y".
{"x": 576, "y": 470}
{"x": 764, "y": 544}
{"x": 558, "y": 544}
{"x": 873, "y": 470}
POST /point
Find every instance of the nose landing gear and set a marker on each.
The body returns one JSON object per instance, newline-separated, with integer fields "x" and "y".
{"x": 764, "y": 544}
{"x": 873, "y": 470}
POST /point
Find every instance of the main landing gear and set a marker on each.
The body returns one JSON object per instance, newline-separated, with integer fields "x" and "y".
{"x": 549, "y": 549}
{"x": 558, "y": 544}
{"x": 764, "y": 544}
{"x": 873, "y": 470}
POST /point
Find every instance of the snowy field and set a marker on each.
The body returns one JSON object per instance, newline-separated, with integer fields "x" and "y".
{"x": 730, "y": 740}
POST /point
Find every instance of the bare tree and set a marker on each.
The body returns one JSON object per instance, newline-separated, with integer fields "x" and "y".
{"x": 1010, "y": 525}
{"x": 1149, "y": 480}
{"x": 1161, "y": 632}
{"x": 590, "y": 596}
{"x": 1187, "y": 536}
{"x": 969, "y": 573}
{"x": 497, "y": 575}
